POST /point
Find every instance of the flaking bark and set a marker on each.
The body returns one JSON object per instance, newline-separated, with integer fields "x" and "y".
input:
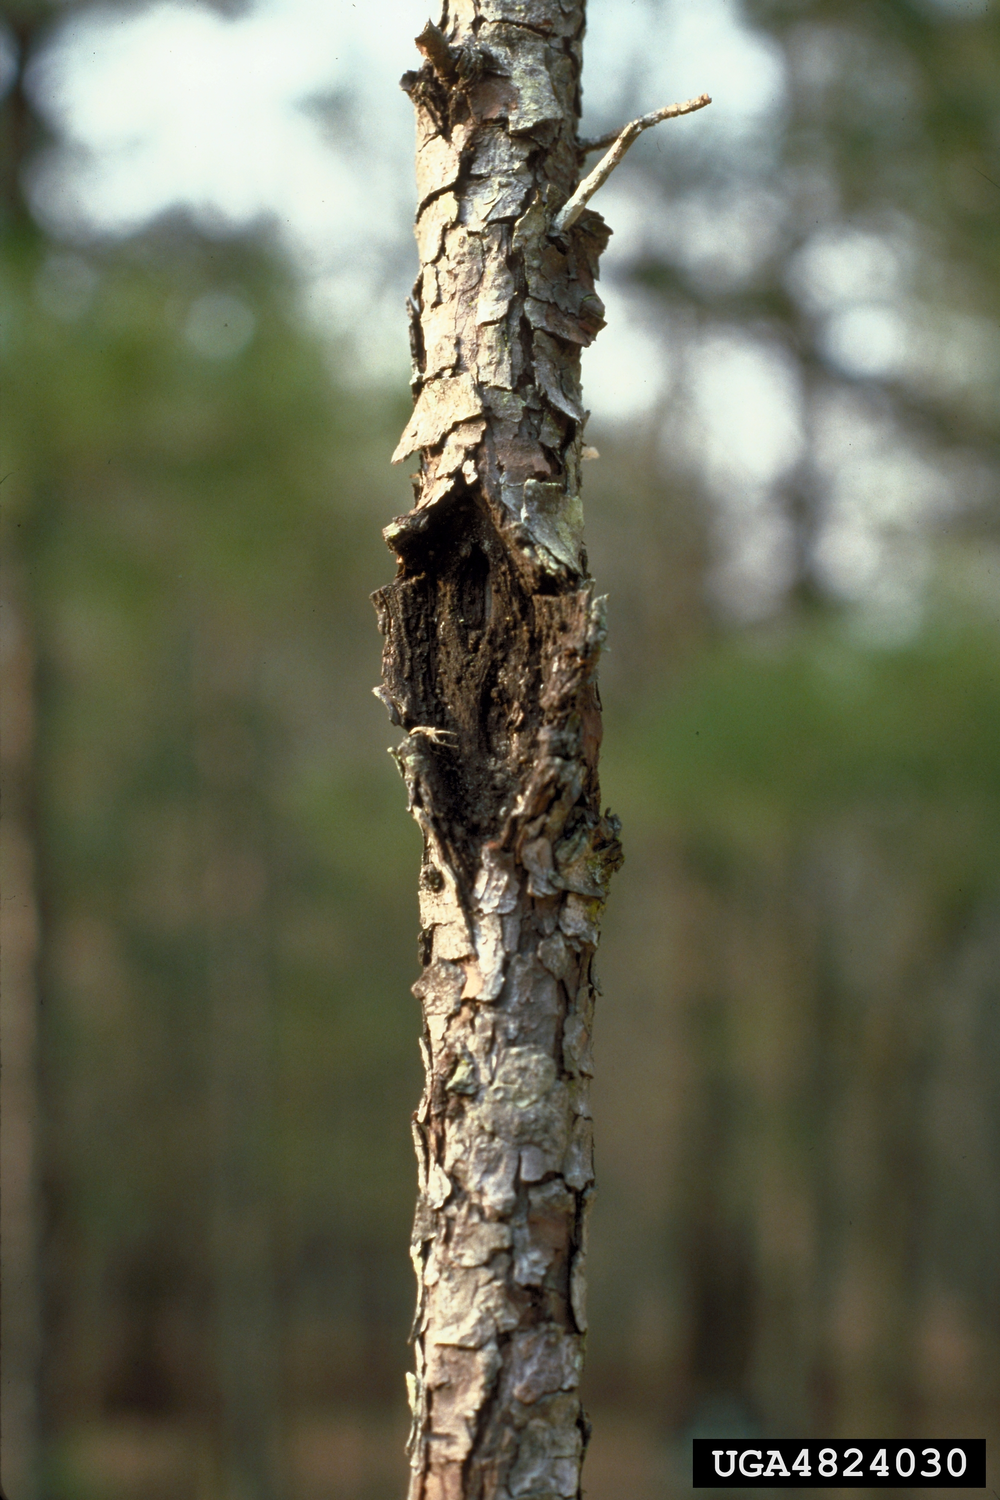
{"x": 492, "y": 634}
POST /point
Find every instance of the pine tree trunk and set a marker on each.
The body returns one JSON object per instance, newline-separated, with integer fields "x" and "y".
{"x": 492, "y": 634}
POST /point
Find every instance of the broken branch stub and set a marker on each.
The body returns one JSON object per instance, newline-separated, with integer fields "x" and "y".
{"x": 492, "y": 634}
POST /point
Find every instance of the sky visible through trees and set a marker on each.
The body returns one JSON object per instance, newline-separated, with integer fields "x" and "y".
{"x": 235, "y": 118}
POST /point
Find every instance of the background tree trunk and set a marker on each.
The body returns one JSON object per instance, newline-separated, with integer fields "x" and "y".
{"x": 232, "y": 761}
{"x": 492, "y": 635}
{"x": 18, "y": 1044}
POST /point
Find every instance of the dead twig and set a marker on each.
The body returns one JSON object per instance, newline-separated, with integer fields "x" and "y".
{"x": 571, "y": 211}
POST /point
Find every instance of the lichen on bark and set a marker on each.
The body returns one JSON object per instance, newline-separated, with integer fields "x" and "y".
{"x": 492, "y": 635}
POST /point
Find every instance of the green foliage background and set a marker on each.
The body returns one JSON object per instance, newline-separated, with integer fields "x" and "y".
{"x": 799, "y": 1048}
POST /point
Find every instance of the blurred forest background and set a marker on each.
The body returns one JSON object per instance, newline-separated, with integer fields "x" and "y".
{"x": 209, "y": 879}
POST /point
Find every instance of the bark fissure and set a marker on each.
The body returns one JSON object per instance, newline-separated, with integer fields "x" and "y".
{"x": 492, "y": 636}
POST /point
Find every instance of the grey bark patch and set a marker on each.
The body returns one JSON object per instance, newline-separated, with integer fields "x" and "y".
{"x": 559, "y": 381}
{"x": 578, "y": 1164}
{"x": 537, "y": 14}
{"x": 545, "y": 1360}
{"x": 552, "y": 951}
{"x": 527, "y": 60}
{"x": 548, "y": 1460}
{"x": 554, "y": 520}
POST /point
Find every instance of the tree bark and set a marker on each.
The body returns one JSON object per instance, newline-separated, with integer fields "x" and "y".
{"x": 492, "y": 634}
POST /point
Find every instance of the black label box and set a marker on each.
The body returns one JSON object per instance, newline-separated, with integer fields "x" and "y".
{"x": 839, "y": 1463}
